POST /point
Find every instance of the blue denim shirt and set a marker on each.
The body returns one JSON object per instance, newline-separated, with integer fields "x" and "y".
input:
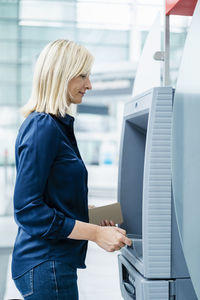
{"x": 50, "y": 193}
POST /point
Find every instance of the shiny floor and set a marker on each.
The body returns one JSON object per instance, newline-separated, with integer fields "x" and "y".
{"x": 100, "y": 281}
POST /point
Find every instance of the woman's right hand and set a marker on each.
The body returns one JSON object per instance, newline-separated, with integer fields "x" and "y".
{"x": 111, "y": 238}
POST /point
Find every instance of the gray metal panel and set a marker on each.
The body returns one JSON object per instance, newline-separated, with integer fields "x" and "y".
{"x": 186, "y": 150}
{"x": 157, "y": 187}
{"x": 184, "y": 290}
{"x": 178, "y": 265}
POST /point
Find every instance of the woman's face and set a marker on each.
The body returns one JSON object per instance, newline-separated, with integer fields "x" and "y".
{"x": 77, "y": 87}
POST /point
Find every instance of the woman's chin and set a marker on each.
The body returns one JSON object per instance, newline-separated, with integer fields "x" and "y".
{"x": 76, "y": 101}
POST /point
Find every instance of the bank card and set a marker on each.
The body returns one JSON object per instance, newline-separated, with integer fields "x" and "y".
{"x": 111, "y": 212}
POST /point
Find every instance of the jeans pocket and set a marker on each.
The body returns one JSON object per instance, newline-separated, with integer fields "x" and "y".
{"x": 24, "y": 283}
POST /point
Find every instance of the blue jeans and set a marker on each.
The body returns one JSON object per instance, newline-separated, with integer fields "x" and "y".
{"x": 51, "y": 280}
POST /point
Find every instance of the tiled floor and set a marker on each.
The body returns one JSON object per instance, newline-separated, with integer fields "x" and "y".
{"x": 99, "y": 281}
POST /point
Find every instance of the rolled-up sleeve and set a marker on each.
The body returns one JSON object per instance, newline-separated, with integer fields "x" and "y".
{"x": 36, "y": 151}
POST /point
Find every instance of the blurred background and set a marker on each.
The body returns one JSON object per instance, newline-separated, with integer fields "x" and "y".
{"x": 115, "y": 32}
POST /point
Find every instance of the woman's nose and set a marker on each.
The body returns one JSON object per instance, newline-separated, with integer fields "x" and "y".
{"x": 88, "y": 84}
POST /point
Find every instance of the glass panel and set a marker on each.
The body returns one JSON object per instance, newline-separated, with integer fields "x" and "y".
{"x": 103, "y": 36}
{"x": 101, "y": 12}
{"x": 103, "y": 53}
{"x": 30, "y": 50}
{"x": 146, "y": 13}
{"x": 8, "y": 10}
{"x": 148, "y": 70}
{"x": 37, "y": 11}
{"x": 9, "y": 117}
{"x": 186, "y": 151}
{"x": 8, "y": 30}
{"x": 90, "y": 151}
{"x": 8, "y": 94}
{"x": 46, "y": 33}
{"x": 7, "y": 169}
{"x": 8, "y": 51}
{"x": 177, "y": 41}
{"x": 27, "y": 73}
{"x": 25, "y": 93}
{"x": 8, "y": 72}
{"x": 9, "y": 120}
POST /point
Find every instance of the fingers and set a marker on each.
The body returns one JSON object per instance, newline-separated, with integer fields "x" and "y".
{"x": 103, "y": 223}
{"x": 127, "y": 241}
{"x": 112, "y": 238}
{"x": 121, "y": 245}
{"x": 118, "y": 247}
{"x": 91, "y": 206}
{"x": 122, "y": 240}
{"x": 107, "y": 223}
{"x": 121, "y": 230}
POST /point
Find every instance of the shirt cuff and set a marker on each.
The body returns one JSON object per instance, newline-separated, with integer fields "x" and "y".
{"x": 67, "y": 227}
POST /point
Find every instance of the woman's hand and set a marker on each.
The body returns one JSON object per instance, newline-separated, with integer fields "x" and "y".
{"x": 91, "y": 206}
{"x": 111, "y": 238}
{"x": 107, "y": 237}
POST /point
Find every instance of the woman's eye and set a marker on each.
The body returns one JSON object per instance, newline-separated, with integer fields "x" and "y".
{"x": 83, "y": 76}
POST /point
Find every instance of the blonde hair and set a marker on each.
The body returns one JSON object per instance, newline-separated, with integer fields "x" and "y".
{"x": 57, "y": 64}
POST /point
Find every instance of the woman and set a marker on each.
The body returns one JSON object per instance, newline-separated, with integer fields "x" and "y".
{"x": 50, "y": 197}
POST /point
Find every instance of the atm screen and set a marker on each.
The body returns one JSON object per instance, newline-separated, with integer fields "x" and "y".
{"x": 131, "y": 172}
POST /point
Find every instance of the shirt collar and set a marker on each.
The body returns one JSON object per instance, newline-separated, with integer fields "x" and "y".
{"x": 67, "y": 120}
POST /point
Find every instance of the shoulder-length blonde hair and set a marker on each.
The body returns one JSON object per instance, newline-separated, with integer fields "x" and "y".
{"x": 57, "y": 64}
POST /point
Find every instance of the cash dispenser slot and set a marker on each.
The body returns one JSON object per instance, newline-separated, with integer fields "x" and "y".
{"x": 127, "y": 280}
{"x": 136, "y": 287}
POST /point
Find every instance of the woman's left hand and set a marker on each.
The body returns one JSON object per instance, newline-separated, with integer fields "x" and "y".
{"x": 91, "y": 206}
{"x": 107, "y": 223}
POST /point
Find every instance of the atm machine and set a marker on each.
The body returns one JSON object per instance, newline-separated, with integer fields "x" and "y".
{"x": 160, "y": 124}
{"x": 154, "y": 267}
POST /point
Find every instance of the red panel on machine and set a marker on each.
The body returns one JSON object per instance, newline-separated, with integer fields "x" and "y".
{"x": 180, "y": 7}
